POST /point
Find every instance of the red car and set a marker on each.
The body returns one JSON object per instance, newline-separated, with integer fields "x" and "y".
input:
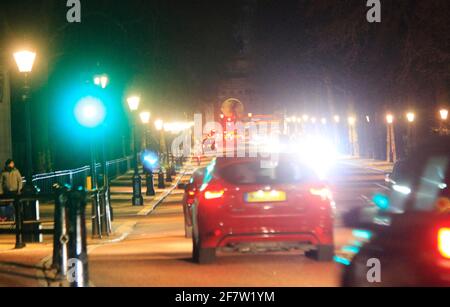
{"x": 242, "y": 202}
{"x": 190, "y": 191}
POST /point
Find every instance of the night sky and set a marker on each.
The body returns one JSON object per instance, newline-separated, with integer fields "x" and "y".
{"x": 306, "y": 55}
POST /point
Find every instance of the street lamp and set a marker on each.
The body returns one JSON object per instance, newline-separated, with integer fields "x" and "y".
{"x": 351, "y": 120}
{"x": 391, "y": 151}
{"x": 25, "y": 61}
{"x": 353, "y": 136}
{"x": 410, "y": 116}
{"x": 101, "y": 81}
{"x": 145, "y": 119}
{"x": 443, "y": 113}
{"x": 137, "y": 199}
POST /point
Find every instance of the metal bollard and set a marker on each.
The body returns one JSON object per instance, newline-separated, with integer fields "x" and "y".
{"x": 18, "y": 206}
{"x": 149, "y": 183}
{"x": 169, "y": 174}
{"x": 60, "y": 236}
{"x": 78, "y": 274}
{"x": 104, "y": 213}
{"x": 96, "y": 216}
{"x": 161, "y": 184}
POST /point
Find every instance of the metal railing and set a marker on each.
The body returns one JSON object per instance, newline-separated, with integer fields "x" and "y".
{"x": 77, "y": 177}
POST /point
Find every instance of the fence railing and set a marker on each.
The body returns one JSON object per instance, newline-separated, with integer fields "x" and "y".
{"x": 77, "y": 177}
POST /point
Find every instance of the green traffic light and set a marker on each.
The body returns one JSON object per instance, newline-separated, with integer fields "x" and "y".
{"x": 90, "y": 112}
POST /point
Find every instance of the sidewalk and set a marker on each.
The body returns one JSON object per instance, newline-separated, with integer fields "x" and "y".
{"x": 372, "y": 164}
{"x": 31, "y": 266}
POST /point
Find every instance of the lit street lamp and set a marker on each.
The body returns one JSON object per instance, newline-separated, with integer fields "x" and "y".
{"x": 443, "y": 113}
{"x": 137, "y": 199}
{"x": 25, "y": 61}
{"x": 410, "y": 117}
{"x": 148, "y": 171}
{"x": 353, "y": 136}
{"x": 391, "y": 151}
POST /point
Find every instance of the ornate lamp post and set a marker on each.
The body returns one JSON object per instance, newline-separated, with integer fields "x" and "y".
{"x": 443, "y": 114}
{"x": 137, "y": 199}
{"x": 391, "y": 151}
{"x": 145, "y": 119}
{"x": 25, "y": 61}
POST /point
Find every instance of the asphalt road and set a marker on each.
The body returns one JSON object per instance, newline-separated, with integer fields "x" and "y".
{"x": 156, "y": 253}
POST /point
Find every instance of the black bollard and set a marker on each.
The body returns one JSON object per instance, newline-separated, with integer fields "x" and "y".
{"x": 60, "y": 237}
{"x": 105, "y": 215}
{"x": 19, "y": 223}
{"x": 96, "y": 215}
{"x": 78, "y": 274}
{"x": 161, "y": 184}
{"x": 149, "y": 183}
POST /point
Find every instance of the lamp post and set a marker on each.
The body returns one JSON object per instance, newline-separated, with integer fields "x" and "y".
{"x": 145, "y": 119}
{"x": 391, "y": 151}
{"x": 353, "y": 136}
{"x": 25, "y": 60}
{"x": 410, "y": 117}
{"x": 159, "y": 125}
{"x": 137, "y": 199}
{"x": 443, "y": 114}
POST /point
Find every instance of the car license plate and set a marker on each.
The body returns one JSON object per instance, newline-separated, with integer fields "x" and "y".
{"x": 265, "y": 196}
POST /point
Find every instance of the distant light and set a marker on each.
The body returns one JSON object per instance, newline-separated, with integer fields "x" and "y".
{"x": 401, "y": 189}
{"x": 25, "y": 60}
{"x": 410, "y": 116}
{"x": 133, "y": 102}
{"x": 90, "y": 112}
{"x": 324, "y": 121}
{"x": 145, "y": 117}
{"x": 104, "y": 81}
{"x": 368, "y": 118}
{"x": 390, "y": 119}
{"x": 250, "y": 115}
{"x": 222, "y": 116}
{"x": 159, "y": 124}
{"x": 337, "y": 119}
{"x": 305, "y": 117}
{"x": 444, "y": 114}
{"x": 101, "y": 81}
{"x": 313, "y": 120}
{"x": 362, "y": 234}
{"x": 351, "y": 120}
{"x": 381, "y": 201}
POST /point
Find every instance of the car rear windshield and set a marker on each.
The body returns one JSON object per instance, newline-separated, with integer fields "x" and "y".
{"x": 251, "y": 172}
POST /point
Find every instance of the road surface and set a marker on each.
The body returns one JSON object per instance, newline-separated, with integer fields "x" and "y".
{"x": 156, "y": 253}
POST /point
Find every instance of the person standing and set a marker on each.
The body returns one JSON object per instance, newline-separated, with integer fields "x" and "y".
{"x": 10, "y": 185}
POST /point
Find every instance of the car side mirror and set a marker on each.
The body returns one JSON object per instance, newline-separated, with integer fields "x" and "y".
{"x": 182, "y": 186}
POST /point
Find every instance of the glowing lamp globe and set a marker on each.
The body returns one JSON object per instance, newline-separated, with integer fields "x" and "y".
{"x": 25, "y": 60}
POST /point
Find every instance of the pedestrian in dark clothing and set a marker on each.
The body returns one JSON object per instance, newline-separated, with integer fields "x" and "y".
{"x": 10, "y": 185}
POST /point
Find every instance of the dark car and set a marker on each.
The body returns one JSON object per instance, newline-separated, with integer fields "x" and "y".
{"x": 410, "y": 237}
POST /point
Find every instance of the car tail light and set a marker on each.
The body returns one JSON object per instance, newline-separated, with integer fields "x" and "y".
{"x": 214, "y": 194}
{"x": 444, "y": 242}
{"x": 324, "y": 193}
{"x": 191, "y": 193}
{"x": 214, "y": 191}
